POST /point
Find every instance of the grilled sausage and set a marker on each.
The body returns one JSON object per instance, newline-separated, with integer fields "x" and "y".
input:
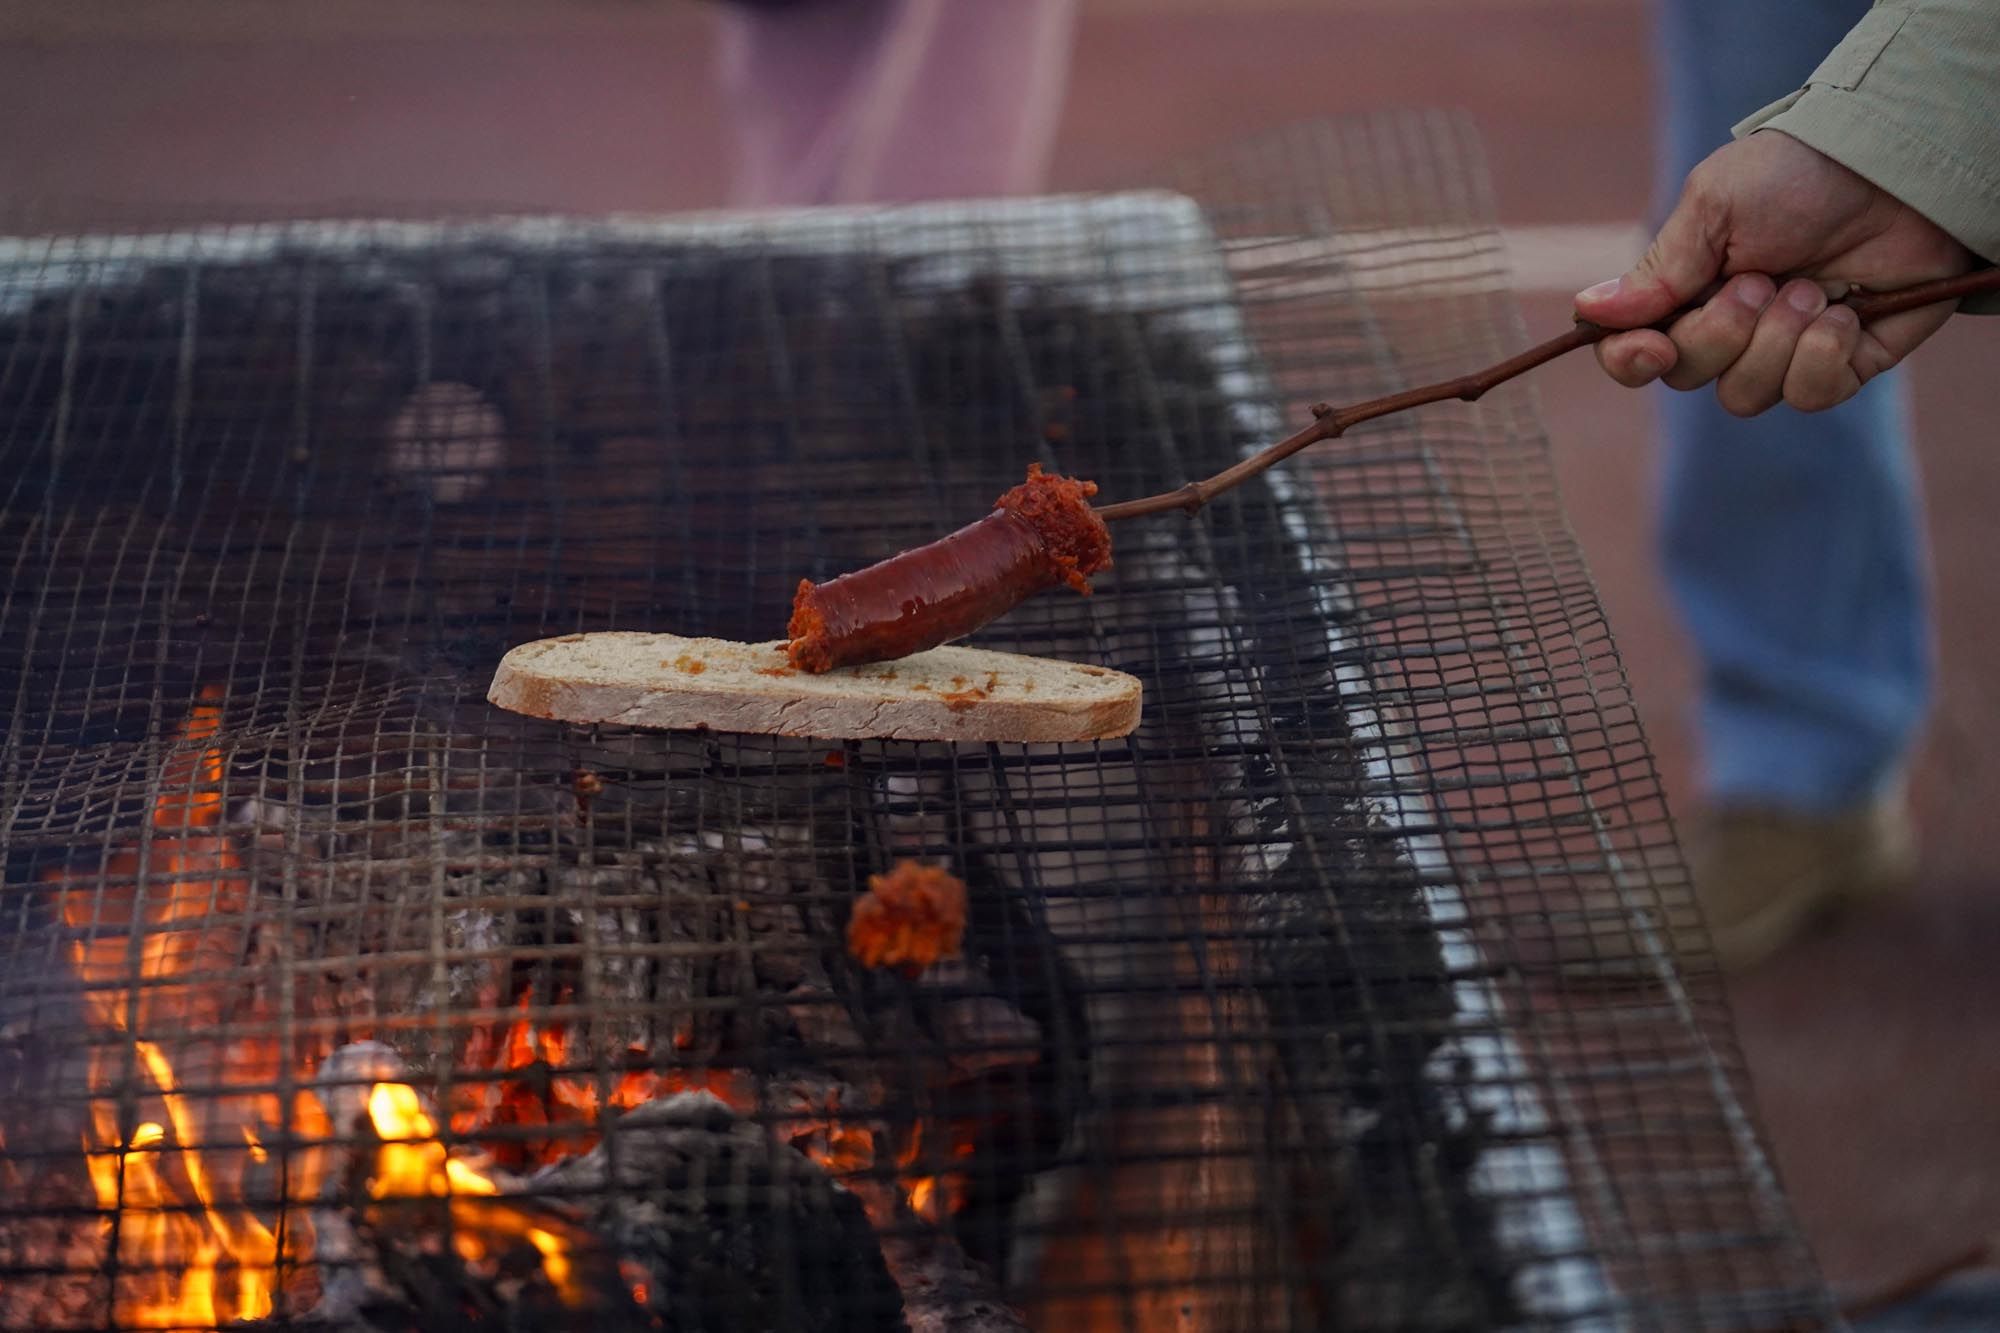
{"x": 1040, "y": 534}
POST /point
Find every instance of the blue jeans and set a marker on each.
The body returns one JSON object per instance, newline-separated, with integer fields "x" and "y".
{"x": 1792, "y": 543}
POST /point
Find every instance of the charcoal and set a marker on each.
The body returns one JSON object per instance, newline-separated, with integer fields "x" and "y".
{"x": 466, "y": 967}
{"x": 617, "y": 970}
{"x": 984, "y": 1034}
{"x": 744, "y": 899}
{"x": 651, "y": 936}
{"x": 738, "y": 1232}
{"x": 943, "y": 1290}
{"x": 507, "y": 1292}
{"x": 824, "y": 1025}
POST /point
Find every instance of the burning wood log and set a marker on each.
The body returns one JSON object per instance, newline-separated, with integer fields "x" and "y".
{"x": 943, "y": 1290}
{"x": 734, "y": 1230}
{"x": 415, "y": 1237}
{"x": 980, "y": 1032}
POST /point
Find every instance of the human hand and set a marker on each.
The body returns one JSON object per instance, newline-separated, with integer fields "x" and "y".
{"x": 1768, "y": 205}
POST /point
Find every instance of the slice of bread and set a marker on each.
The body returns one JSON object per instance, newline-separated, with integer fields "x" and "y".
{"x": 946, "y": 694}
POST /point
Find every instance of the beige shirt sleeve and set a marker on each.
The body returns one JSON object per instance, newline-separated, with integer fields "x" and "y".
{"x": 1911, "y": 100}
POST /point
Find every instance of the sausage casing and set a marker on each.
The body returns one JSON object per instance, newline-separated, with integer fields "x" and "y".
{"x": 1042, "y": 534}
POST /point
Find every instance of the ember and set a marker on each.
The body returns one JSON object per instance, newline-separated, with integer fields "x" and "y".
{"x": 553, "y": 1087}
{"x": 935, "y": 1198}
{"x": 567, "y": 1104}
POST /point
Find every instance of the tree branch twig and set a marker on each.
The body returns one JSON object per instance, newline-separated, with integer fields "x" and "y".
{"x": 1330, "y": 422}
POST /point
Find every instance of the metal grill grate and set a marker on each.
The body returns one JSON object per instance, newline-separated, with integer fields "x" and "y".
{"x": 1243, "y": 1036}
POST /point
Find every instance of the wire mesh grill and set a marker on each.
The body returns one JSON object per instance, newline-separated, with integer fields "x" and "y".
{"x": 333, "y": 996}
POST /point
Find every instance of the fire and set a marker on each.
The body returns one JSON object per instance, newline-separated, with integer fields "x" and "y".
{"x": 160, "y": 926}
{"x": 188, "y": 877}
{"x": 411, "y": 1163}
{"x": 155, "y": 1241}
{"x": 554, "y": 1086}
{"x": 935, "y": 1198}
{"x": 197, "y": 1255}
{"x": 555, "y": 1089}
{"x": 172, "y": 1189}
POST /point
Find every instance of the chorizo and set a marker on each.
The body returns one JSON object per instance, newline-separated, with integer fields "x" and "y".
{"x": 910, "y": 919}
{"x": 1040, "y": 534}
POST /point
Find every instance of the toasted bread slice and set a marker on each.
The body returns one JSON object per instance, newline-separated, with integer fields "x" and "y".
{"x": 947, "y": 694}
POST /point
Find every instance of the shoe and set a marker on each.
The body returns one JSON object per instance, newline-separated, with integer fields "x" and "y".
{"x": 1762, "y": 877}
{"x": 1765, "y": 877}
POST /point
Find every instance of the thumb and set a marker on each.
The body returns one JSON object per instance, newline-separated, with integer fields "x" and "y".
{"x": 1682, "y": 260}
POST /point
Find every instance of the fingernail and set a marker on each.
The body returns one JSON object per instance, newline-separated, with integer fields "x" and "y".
{"x": 1806, "y": 299}
{"x": 1647, "y": 364}
{"x": 1603, "y": 289}
{"x": 1753, "y": 290}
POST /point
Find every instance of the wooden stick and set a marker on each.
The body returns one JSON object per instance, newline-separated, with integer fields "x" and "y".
{"x": 1329, "y": 422}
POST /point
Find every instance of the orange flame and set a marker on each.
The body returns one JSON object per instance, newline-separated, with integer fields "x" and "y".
{"x": 174, "y": 1255}
{"x": 564, "y": 1095}
{"x": 569, "y": 1104}
{"x": 195, "y": 1254}
{"x": 189, "y": 878}
{"x": 936, "y": 1198}
{"x": 412, "y": 1163}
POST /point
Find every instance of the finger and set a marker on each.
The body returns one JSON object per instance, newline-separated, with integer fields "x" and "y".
{"x": 1682, "y": 260}
{"x": 1636, "y": 358}
{"x": 1822, "y": 373}
{"x": 1884, "y": 342}
{"x": 1709, "y": 340}
{"x": 1756, "y": 382}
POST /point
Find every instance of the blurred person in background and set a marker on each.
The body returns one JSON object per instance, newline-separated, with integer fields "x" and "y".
{"x": 864, "y": 101}
{"x": 1793, "y": 542}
